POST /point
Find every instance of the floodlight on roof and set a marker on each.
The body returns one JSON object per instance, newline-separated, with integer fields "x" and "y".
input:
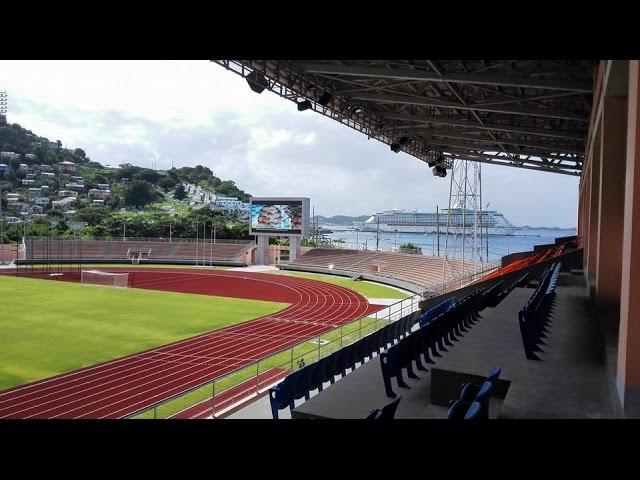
{"x": 325, "y": 98}
{"x": 257, "y": 82}
{"x": 395, "y": 147}
{"x": 304, "y": 105}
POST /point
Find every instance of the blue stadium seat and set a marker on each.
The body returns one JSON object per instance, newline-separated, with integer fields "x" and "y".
{"x": 474, "y": 412}
{"x": 373, "y": 414}
{"x": 388, "y": 412}
{"x": 433, "y": 312}
{"x": 483, "y": 397}
{"x": 458, "y": 410}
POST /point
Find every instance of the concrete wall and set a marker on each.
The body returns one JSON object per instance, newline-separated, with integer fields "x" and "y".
{"x": 609, "y": 222}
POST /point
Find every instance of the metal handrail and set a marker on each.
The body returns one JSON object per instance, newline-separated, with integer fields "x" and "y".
{"x": 406, "y": 306}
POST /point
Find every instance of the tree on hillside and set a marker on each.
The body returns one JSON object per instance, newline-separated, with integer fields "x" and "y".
{"x": 79, "y": 153}
{"x": 147, "y": 174}
{"x": 167, "y": 183}
{"x": 180, "y": 193}
{"x": 139, "y": 193}
{"x": 92, "y": 215}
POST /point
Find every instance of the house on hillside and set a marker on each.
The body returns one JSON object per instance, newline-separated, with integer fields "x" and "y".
{"x": 95, "y": 193}
{"x": 63, "y": 204}
{"x": 67, "y": 167}
{"x": 31, "y": 156}
{"x": 67, "y": 194}
{"x": 9, "y": 155}
{"x": 33, "y": 193}
{"x": 41, "y": 201}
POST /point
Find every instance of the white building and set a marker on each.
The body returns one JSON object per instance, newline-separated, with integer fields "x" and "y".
{"x": 63, "y": 204}
{"x": 9, "y": 155}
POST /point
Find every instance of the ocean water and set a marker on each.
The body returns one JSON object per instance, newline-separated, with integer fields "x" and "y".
{"x": 498, "y": 245}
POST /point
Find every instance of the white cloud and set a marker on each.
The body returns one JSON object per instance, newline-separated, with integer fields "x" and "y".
{"x": 189, "y": 113}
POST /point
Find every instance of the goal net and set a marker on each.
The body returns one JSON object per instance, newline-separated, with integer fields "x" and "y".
{"x": 106, "y": 279}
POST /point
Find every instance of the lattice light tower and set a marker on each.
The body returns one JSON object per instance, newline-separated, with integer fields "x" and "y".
{"x": 3, "y": 104}
{"x": 464, "y": 239}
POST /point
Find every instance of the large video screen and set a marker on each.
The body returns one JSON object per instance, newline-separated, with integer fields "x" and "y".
{"x": 278, "y": 216}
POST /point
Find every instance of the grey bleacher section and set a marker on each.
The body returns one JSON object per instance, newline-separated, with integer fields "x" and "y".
{"x": 120, "y": 251}
{"x": 404, "y": 270}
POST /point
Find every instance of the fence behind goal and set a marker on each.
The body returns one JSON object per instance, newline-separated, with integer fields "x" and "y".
{"x": 107, "y": 279}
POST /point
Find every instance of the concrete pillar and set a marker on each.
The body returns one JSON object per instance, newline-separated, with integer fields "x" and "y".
{"x": 611, "y": 206}
{"x": 594, "y": 203}
{"x": 587, "y": 204}
{"x": 262, "y": 250}
{"x": 628, "y": 372}
{"x": 580, "y": 212}
{"x": 294, "y": 250}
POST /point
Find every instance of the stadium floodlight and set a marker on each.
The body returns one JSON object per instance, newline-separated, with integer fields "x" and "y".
{"x": 257, "y": 82}
{"x": 325, "y": 98}
{"x": 395, "y": 147}
{"x": 439, "y": 171}
{"x": 304, "y": 105}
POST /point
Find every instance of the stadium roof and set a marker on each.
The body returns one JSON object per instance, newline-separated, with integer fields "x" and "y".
{"x": 530, "y": 114}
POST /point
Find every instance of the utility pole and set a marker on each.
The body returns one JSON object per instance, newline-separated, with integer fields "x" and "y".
{"x": 211, "y": 244}
{"x": 438, "y": 228}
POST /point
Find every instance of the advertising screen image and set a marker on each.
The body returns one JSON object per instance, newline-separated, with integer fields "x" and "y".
{"x": 277, "y": 217}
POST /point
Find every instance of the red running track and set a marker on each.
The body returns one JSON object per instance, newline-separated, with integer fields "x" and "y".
{"x": 125, "y": 385}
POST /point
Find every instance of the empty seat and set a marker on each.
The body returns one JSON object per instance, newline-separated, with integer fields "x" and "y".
{"x": 387, "y": 412}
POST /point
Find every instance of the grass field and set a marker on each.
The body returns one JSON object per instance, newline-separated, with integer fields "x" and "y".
{"x": 48, "y": 327}
{"x": 368, "y": 289}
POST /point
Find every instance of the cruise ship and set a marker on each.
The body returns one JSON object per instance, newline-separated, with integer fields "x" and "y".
{"x": 404, "y": 221}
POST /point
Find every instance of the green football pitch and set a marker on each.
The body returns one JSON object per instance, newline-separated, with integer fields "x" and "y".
{"x": 49, "y": 327}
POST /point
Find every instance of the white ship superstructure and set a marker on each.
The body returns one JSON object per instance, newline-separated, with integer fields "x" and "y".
{"x": 404, "y": 221}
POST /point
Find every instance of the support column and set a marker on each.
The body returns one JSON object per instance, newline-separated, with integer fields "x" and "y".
{"x": 611, "y": 206}
{"x": 628, "y": 374}
{"x": 294, "y": 248}
{"x": 594, "y": 203}
{"x": 587, "y": 205}
{"x": 262, "y": 250}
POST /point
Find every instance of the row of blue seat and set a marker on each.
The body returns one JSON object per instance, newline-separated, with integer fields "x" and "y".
{"x": 497, "y": 293}
{"x": 430, "y": 339}
{"x": 312, "y": 377}
{"x": 535, "y": 316}
{"x": 473, "y": 401}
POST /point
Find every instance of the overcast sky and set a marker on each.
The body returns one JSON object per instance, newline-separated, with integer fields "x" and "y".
{"x": 187, "y": 113}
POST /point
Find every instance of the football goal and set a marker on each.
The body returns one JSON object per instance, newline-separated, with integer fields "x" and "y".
{"x": 106, "y": 279}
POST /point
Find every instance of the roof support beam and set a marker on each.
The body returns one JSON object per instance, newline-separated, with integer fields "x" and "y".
{"x": 523, "y": 143}
{"x": 487, "y": 126}
{"x": 519, "y": 163}
{"x": 465, "y": 78}
{"x": 482, "y": 144}
{"x": 437, "y": 102}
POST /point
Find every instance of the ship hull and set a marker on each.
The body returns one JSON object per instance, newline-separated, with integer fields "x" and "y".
{"x": 426, "y": 229}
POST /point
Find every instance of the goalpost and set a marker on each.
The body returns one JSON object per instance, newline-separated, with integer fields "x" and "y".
{"x": 106, "y": 279}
